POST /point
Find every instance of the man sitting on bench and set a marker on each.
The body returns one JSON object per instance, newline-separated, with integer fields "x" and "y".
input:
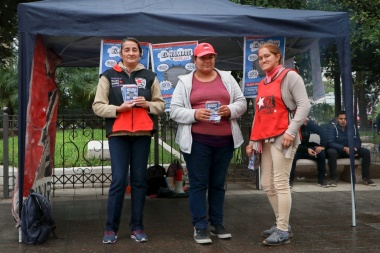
{"x": 311, "y": 150}
{"x": 337, "y": 147}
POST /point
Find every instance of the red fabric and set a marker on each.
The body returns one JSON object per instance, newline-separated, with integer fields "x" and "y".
{"x": 134, "y": 120}
{"x": 117, "y": 68}
{"x": 41, "y": 117}
{"x": 272, "y": 116}
{"x": 270, "y": 75}
{"x": 178, "y": 175}
{"x": 202, "y": 92}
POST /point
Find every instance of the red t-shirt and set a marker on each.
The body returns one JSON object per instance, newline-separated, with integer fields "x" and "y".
{"x": 202, "y": 92}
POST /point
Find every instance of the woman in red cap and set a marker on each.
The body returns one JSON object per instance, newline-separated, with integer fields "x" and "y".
{"x": 282, "y": 106}
{"x": 206, "y": 104}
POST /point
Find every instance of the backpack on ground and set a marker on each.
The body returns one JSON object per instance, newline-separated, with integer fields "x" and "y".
{"x": 36, "y": 221}
{"x": 155, "y": 179}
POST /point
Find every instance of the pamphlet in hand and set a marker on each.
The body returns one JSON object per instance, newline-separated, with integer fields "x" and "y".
{"x": 129, "y": 92}
{"x": 214, "y": 107}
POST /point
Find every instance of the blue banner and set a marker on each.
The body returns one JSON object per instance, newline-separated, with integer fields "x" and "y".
{"x": 169, "y": 60}
{"x": 110, "y": 54}
{"x": 253, "y": 73}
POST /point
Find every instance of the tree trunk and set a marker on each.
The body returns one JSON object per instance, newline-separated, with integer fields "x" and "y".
{"x": 361, "y": 98}
{"x": 337, "y": 93}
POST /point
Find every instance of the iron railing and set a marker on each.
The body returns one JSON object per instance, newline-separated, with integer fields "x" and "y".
{"x": 81, "y": 133}
{"x": 77, "y": 130}
{"x": 8, "y": 161}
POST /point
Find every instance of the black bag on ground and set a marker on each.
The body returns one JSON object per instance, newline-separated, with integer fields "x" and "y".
{"x": 155, "y": 179}
{"x": 36, "y": 221}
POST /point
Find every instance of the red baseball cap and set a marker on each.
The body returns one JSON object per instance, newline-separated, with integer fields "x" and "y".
{"x": 203, "y": 49}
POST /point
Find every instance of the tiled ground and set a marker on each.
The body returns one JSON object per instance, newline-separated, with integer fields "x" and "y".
{"x": 321, "y": 219}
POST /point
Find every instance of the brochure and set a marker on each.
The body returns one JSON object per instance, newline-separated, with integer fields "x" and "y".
{"x": 129, "y": 92}
{"x": 214, "y": 107}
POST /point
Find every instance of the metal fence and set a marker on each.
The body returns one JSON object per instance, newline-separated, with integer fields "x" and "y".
{"x": 8, "y": 161}
{"x": 81, "y": 149}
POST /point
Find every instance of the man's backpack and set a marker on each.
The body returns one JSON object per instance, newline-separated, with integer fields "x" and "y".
{"x": 36, "y": 222}
{"x": 155, "y": 179}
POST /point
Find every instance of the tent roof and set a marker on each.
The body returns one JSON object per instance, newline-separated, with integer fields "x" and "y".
{"x": 74, "y": 28}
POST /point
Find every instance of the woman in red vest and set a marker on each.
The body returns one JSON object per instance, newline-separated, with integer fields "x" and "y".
{"x": 282, "y": 105}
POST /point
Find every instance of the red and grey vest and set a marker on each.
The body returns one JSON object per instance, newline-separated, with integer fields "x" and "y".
{"x": 271, "y": 114}
{"x": 136, "y": 119}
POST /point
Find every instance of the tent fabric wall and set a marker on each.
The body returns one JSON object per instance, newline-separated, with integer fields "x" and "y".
{"x": 73, "y": 29}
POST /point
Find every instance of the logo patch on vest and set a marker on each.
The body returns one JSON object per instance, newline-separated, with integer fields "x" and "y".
{"x": 116, "y": 81}
{"x": 141, "y": 82}
{"x": 267, "y": 105}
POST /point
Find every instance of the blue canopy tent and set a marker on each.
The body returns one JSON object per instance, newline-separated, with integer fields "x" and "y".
{"x": 74, "y": 28}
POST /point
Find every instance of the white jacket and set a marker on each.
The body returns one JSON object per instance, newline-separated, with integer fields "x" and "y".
{"x": 184, "y": 115}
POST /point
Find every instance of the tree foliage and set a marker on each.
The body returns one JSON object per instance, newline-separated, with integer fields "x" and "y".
{"x": 8, "y": 29}
{"x": 77, "y": 87}
{"x": 8, "y": 87}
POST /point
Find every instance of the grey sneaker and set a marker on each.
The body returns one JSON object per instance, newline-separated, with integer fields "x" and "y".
{"x": 278, "y": 237}
{"x": 324, "y": 184}
{"x": 220, "y": 232}
{"x": 268, "y": 232}
{"x": 139, "y": 236}
{"x": 201, "y": 236}
{"x": 333, "y": 183}
{"x": 368, "y": 181}
{"x": 109, "y": 237}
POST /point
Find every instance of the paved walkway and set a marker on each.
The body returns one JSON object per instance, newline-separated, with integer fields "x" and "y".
{"x": 321, "y": 220}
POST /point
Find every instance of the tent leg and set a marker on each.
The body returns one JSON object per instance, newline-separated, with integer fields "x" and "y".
{"x": 19, "y": 235}
{"x": 258, "y": 178}
{"x": 353, "y": 181}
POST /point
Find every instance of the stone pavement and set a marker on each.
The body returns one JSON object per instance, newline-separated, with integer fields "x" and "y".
{"x": 321, "y": 220}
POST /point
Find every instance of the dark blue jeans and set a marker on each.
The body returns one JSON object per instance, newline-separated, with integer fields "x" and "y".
{"x": 125, "y": 152}
{"x": 207, "y": 168}
{"x": 333, "y": 155}
{"x": 321, "y": 164}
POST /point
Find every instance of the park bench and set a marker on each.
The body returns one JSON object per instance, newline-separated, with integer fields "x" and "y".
{"x": 342, "y": 162}
{"x": 345, "y": 162}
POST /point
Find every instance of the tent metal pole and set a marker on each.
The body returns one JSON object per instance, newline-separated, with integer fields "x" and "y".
{"x": 352, "y": 170}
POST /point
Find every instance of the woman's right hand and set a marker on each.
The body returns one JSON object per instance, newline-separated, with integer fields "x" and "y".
{"x": 202, "y": 115}
{"x": 126, "y": 106}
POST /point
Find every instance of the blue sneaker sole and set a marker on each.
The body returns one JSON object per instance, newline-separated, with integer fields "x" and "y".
{"x": 142, "y": 240}
{"x": 109, "y": 241}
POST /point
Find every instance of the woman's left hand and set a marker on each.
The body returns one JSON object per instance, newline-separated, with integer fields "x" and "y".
{"x": 287, "y": 140}
{"x": 224, "y": 111}
{"x": 140, "y": 101}
{"x": 249, "y": 150}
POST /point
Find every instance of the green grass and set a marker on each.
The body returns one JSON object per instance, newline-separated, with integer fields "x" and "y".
{"x": 12, "y": 150}
{"x": 71, "y": 149}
